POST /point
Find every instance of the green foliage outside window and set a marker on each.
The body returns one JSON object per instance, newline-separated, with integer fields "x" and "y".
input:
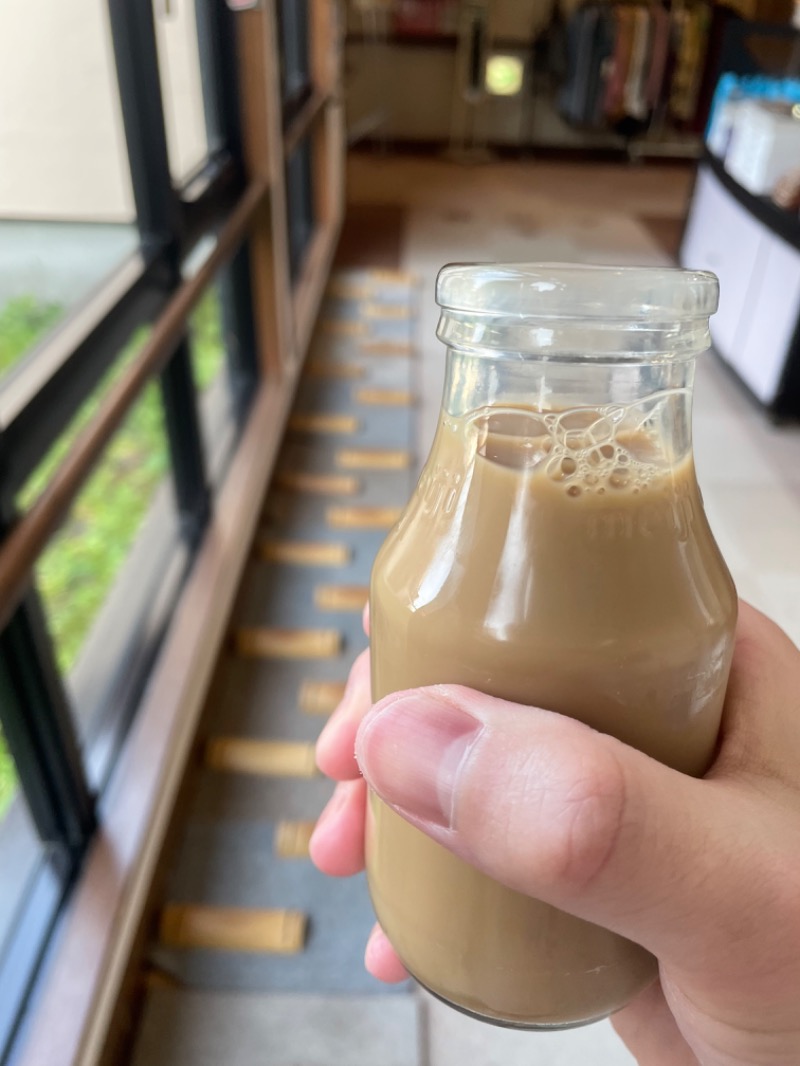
{"x": 76, "y": 572}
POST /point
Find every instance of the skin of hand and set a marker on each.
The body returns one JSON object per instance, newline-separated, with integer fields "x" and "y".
{"x": 705, "y": 873}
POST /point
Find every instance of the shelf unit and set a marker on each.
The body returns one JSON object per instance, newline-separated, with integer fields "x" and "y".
{"x": 754, "y": 248}
{"x": 400, "y": 88}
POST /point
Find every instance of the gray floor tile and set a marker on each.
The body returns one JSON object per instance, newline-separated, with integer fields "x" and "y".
{"x": 216, "y": 1029}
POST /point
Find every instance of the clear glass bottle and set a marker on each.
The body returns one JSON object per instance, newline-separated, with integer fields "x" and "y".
{"x": 555, "y": 553}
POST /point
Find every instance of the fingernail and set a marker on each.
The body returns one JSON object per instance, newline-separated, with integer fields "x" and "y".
{"x": 411, "y": 752}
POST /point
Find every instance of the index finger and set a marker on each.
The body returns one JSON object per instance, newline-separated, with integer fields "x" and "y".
{"x": 337, "y": 741}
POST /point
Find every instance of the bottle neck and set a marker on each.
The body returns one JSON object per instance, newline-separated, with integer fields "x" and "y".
{"x": 653, "y": 399}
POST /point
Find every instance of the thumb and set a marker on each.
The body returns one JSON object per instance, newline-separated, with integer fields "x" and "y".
{"x": 570, "y": 816}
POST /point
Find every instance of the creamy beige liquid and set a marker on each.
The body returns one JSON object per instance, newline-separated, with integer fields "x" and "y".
{"x": 541, "y": 566}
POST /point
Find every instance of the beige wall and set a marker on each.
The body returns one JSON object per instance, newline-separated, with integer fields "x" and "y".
{"x": 62, "y": 149}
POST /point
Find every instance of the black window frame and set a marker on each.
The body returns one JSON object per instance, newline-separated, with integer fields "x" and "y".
{"x": 45, "y": 392}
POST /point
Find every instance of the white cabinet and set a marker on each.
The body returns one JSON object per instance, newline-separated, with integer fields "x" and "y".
{"x": 759, "y": 273}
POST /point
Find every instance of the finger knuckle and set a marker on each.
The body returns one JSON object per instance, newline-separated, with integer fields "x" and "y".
{"x": 584, "y": 815}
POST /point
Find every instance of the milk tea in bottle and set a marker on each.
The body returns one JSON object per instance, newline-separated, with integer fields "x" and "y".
{"x": 555, "y": 553}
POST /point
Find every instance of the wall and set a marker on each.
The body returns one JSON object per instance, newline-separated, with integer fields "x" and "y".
{"x": 62, "y": 148}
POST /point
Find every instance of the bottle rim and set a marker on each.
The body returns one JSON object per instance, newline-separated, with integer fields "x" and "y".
{"x": 576, "y": 311}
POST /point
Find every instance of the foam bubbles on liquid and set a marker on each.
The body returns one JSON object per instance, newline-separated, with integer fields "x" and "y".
{"x": 596, "y": 451}
{"x": 603, "y": 450}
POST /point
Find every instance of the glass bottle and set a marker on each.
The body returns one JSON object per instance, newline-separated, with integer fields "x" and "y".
{"x": 555, "y": 553}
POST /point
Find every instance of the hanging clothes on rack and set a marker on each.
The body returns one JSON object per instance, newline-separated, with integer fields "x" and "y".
{"x": 590, "y": 41}
{"x": 629, "y": 61}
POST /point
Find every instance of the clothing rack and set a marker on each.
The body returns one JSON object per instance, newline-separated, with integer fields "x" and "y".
{"x": 638, "y": 67}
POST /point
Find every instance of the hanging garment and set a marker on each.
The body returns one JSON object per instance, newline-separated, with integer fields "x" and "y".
{"x": 581, "y": 30}
{"x": 635, "y": 94}
{"x": 692, "y": 29}
{"x": 658, "y": 57}
{"x": 614, "y": 99}
{"x": 605, "y": 40}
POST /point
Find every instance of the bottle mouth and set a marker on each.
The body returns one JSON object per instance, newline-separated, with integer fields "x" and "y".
{"x": 576, "y": 312}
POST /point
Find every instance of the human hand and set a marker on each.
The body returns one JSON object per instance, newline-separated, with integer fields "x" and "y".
{"x": 703, "y": 873}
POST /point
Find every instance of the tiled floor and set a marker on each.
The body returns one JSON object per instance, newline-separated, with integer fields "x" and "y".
{"x": 423, "y": 214}
{"x": 749, "y": 469}
{"x": 455, "y": 1040}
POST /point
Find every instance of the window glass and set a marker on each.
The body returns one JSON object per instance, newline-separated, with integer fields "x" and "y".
{"x": 66, "y": 205}
{"x": 77, "y": 571}
{"x": 300, "y": 203}
{"x": 19, "y": 846}
{"x": 295, "y": 69}
{"x": 212, "y": 377}
{"x": 186, "y": 85}
{"x": 110, "y": 573}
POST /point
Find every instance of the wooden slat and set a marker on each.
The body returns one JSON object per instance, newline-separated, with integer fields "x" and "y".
{"x": 322, "y": 423}
{"x": 281, "y": 932}
{"x": 265, "y": 643}
{"x": 155, "y": 978}
{"x": 372, "y": 459}
{"x": 292, "y": 839}
{"x": 264, "y": 758}
{"x": 318, "y": 484}
{"x": 384, "y": 397}
{"x": 303, "y": 553}
{"x": 325, "y": 40}
{"x": 320, "y": 697}
{"x": 362, "y": 517}
{"x": 394, "y": 277}
{"x": 341, "y": 597}
{"x": 392, "y": 311}
{"x": 376, "y": 347}
{"x": 333, "y": 370}
{"x": 338, "y": 289}
{"x": 300, "y": 124}
{"x": 309, "y": 287}
{"x": 262, "y": 144}
{"x": 344, "y": 327}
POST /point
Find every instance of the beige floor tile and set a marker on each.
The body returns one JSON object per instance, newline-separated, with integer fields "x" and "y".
{"x": 781, "y": 600}
{"x": 757, "y": 527}
{"x": 780, "y": 446}
{"x": 727, "y": 453}
{"x": 456, "y": 1040}
{"x": 716, "y": 391}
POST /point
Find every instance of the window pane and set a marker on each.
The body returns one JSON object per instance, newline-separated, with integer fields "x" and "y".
{"x": 39, "y": 478}
{"x": 109, "y": 577}
{"x": 77, "y": 571}
{"x": 294, "y": 53}
{"x": 213, "y": 382}
{"x": 222, "y": 346}
{"x": 186, "y": 110}
{"x": 19, "y": 845}
{"x": 66, "y": 206}
{"x": 300, "y": 203}
{"x": 208, "y": 347}
{"x": 8, "y": 776}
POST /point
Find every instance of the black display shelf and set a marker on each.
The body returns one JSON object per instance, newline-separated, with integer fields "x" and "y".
{"x": 783, "y": 224}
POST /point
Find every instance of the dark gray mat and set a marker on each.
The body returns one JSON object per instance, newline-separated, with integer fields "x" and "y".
{"x": 226, "y": 855}
{"x": 232, "y": 864}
